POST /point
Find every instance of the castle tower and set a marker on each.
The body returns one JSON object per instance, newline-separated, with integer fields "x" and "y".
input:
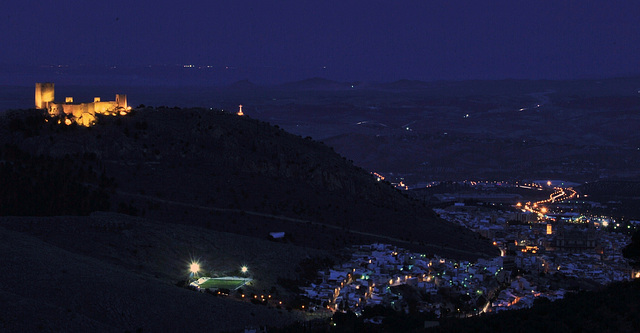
{"x": 240, "y": 111}
{"x": 121, "y": 100}
{"x": 45, "y": 94}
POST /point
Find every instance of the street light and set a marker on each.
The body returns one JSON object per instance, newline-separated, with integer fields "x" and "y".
{"x": 244, "y": 269}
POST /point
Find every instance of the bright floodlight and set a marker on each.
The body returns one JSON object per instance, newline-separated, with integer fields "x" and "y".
{"x": 194, "y": 268}
{"x": 244, "y": 269}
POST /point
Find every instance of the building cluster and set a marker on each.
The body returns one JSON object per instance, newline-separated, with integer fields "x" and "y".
{"x": 521, "y": 294}
{"x": 536, "y": 261}
{"x": 381, "y": 274}
{"x": 71, "y": 112}
{"x": 576, "y": 250}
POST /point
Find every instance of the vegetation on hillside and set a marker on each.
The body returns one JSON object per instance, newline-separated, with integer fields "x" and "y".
{"x": 613, "y": 309}
{"x": 46, "y": 186}
{"x": 632, "y": 251}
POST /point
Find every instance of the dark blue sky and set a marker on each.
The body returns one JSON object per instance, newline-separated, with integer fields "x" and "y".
{"x": 353, "y": 39}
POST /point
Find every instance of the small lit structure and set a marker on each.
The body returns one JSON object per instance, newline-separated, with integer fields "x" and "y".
{"x": 240, "y": 111}
{"x": 277, "y": 234}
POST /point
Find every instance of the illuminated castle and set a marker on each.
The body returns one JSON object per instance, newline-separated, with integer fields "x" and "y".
{"x": 82, "y": 113}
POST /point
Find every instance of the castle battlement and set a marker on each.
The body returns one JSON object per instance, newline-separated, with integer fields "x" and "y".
{"x": 81, "y": 113}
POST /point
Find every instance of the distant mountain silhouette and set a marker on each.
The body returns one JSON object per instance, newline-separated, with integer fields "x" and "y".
{"x": 404, "y": 85}
{"x": 316, "y": 83}
{"x": 242, "y": 85}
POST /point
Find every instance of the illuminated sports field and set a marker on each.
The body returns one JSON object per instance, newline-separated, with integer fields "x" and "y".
{"x": 230, "y": 283}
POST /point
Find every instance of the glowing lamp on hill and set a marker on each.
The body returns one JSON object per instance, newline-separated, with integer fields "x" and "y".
{"x": 194, "y": 267}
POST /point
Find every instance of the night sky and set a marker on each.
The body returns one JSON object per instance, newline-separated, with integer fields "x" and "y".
{"x": 341, "y": 40}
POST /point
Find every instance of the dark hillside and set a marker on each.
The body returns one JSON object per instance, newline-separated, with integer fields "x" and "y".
{"x": 220, "y": 171}
{"x": 114, "y": 273}
{"x": 623, "y": 196}
{"x": 613, "y": 309}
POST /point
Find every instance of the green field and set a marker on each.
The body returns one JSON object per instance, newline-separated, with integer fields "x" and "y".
{"x": 226, "y": 283}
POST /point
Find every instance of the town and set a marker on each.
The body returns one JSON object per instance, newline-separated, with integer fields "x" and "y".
{"x": 542, "y": 255}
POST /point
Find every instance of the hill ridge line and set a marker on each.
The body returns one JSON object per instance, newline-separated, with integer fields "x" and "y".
{"x": 291, "y": 219}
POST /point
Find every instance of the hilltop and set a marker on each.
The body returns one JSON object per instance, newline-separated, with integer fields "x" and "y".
{"x": 227, "y": 173}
